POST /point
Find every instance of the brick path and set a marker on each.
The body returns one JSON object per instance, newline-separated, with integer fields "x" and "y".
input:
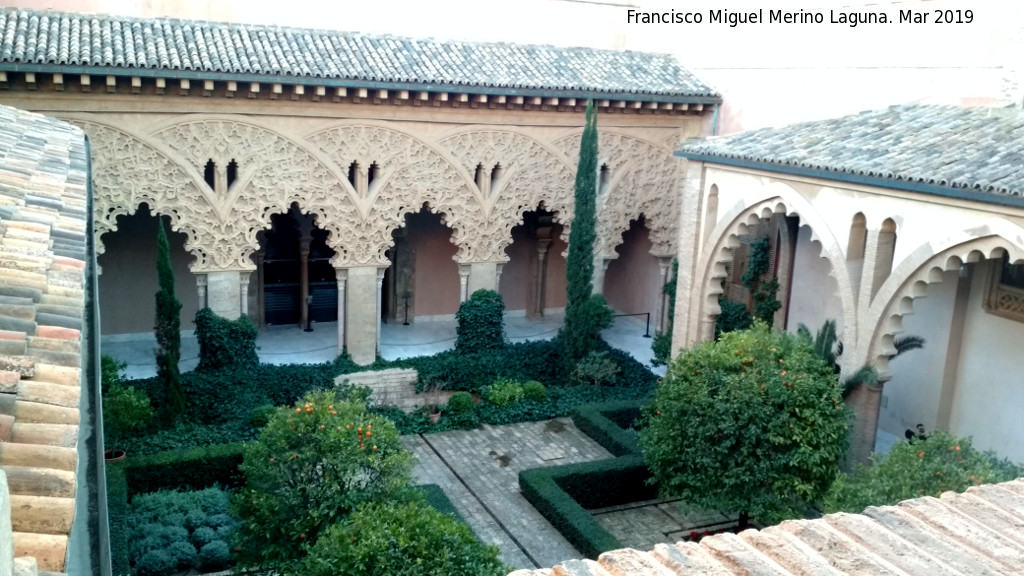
{"x": 478, "y": 470}
{"x": 642, "y": 525}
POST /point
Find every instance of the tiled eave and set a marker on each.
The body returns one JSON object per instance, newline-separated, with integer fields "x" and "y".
{"x": 969, "y": 194}
{"x": 276, "y": 87}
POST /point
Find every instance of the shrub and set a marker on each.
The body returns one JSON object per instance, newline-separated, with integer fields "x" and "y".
{"x": 435, "y": 497}
{"x": 408, "y": 539}
{"x": 202, "y": 536}
{"x": 606, "y": 423}
{"x": 504, "y": 392}
{"x": 596, "y": 369}
{"x": 118, "y": 512}
{"x": 195, "y": 468}
{"x": 261, "y": 415}
{"x": 460, "y": 403}
{"x": 156, "y": 562}
{"x": 753, "y": 423}
{"x": 183, "y": 553}
{"x": 225, "y": 343}
{"x": 733, "y": 316}
{"x": 481, "y": 323}
{"x": 534, "y": 391}
{"x": 214, "y": 556}
{"x": 125, "y": 410}
{"x": 929, "y": 467}
{"x": 309, "y": 469}
{"x": 111, "y": 373}
{"x": 661, "y": 346}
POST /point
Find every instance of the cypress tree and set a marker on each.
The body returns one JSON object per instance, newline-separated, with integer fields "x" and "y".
{"x": 168, "y": 330}
{"x": 586, "y": 314}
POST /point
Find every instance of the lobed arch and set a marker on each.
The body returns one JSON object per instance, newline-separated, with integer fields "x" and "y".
{"x": 924, "y": 266}
{"x": 779, "y": 199}
{"x": 129, "y": 170}
{"x": 534, "y": 174}
{"x": 645, "y": 179}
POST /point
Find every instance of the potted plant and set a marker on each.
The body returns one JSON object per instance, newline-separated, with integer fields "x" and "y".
{"x": 125, "y": 410}
{"x": 432, "y": 412}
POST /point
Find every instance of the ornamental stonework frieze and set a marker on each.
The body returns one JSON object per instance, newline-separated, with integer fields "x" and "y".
{"x": 644, "y": 178}
{"x": 532, "y": 174}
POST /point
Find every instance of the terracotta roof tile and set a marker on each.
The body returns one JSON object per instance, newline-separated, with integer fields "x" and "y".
{"x": 249, "y": 51}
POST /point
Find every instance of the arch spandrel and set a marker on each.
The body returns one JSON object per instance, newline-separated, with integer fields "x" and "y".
{"x": 778, "y": 199}
{"x": 128, "y": 171}
{"x": 273, "y": 172}
{"x": 412, "y": 174}
{"x": 533, "y": 175}
{"x": 645, "y": 179}
{"x": 924, "y": 266}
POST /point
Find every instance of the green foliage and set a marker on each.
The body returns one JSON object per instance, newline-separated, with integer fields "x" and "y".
{"x": 461, "y": 403}
{"x": 225, "y": 343}
{"x": 734, "y": 316}
{"x": 125, "y": 410}
{"x": 450, "y": 370}
{"x": 927, "y": 467}
{"x": 261, "y": 415}
{"x": 596, "y": 369}
{"x": 534, "y": 391}
{"x": 214, "y": 556}
{"x": 117, "y": 517}
{"x": 561, "y": 402}
{"x": 757, "y": 265}
{"x": 111, "y": 373}
{"x": 401, "y": 539}
{"x": 435, "y": 497}
{"x": 481, "y": 322}
{"x": 195, "y": 468}
{"x": 752, "y": 424}
{"x": 562, "y": 494}
{"x": 310, "y": 468}
{"x": 586, "y": 314}
{"x": 168, "y": 331}
{"x": 504, "y": 392}
{"x": 608, "y": 424}
{"x": 766, "y": 302}
{"x": 662, "y": 343}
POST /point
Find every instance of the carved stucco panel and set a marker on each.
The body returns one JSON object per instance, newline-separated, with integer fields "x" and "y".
{"x": 532, "y": 175}
{"x": 410, "y": 174}
{"x": 273, "y": 173}
{"x": 127, "y": 171}
{"x": 644, "y": 179}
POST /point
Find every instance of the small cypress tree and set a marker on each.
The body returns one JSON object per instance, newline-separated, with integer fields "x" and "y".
{"x": 586, "y": 314}
{"x": 168, "y": 330}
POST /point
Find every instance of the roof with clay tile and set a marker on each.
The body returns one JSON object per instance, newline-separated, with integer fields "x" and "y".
{"x": 978, "y": 532}
{"x": 43, "y": 195}
{"x": 38, "y": 40}
{"x": 975, "y": 153}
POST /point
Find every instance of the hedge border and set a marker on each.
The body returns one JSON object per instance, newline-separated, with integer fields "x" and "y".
{"x": 117, "y": 518}
{"x": 554, "y": 490}
{"x": 189, "y": 469}
{"x": 435, "y": 497}
{"x": 601, "y": 422}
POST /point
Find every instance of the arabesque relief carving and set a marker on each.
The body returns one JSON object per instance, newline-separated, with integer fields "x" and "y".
{"x": 644, "y": 179}
{"x": 532, "y": 175}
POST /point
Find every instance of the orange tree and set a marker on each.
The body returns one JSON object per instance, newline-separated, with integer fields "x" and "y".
{"x": 752, "y": 424}
{"x": 312, "y": 465}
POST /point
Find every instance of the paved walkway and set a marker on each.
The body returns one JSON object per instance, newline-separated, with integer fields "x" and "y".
{"x": 479, "y": 471}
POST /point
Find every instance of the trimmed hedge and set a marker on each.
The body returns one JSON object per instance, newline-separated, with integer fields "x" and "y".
{"x": 435, "y": 497}
{"x": 192, "y": 469}
{"x": 607, "y": 425}
{"x": 563, "y": 493}
{"x": 117, "y": 515}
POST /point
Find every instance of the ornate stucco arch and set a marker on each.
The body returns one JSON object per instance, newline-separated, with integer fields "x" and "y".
{"x": 777, "y": 199}
{"x": 924, "y": 266}
{"x": 413, "y": 173}
{"x": 533, "y": 174}
{"x": 129, "y": 169}
{"x": 274, "y": 171}
{"x": 645, "y": 179}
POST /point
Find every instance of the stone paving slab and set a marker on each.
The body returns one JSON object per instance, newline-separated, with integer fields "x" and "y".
{"x": 479, "y": 471}
{"x": 641, "y": 527}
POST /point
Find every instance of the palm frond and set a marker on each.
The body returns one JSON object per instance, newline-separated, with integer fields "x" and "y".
{"x": 866, "y": 374}
{"x": 906, "y": 343}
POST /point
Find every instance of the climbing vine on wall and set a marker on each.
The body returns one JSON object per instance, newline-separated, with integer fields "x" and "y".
{"x": 765, "y": 292}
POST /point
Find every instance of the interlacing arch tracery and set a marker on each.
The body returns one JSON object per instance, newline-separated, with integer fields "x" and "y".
{"x": 411, "y": 174}
{"x": 128, "y": 170}
{"x": 927, "y": 265}
{"x": 645, "y": 179}
{"x": 532, "y": 175}
{"x": 746, "y": 215}
{"x": 273, "y": 173}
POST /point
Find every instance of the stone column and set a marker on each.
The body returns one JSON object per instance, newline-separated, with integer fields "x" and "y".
{"x": 304, "y": 283}
{"x": 223, "y": 293}
{"x": 600, "y": 267}
{"x": 341, "y": 275}
{"x": 463, "y": 282}
{"x": 540, "y": 275}
{"x": 483, "y": 276}
{"x": 497, "y": 276}
{"x": 380, "y": 303}
{"x": 260, "y": 283}
{"x": 201, "y": 288}
{"x": 243, "y": 284}
{"x": 361, "y": 314}
{"x": 661, "y": 312}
